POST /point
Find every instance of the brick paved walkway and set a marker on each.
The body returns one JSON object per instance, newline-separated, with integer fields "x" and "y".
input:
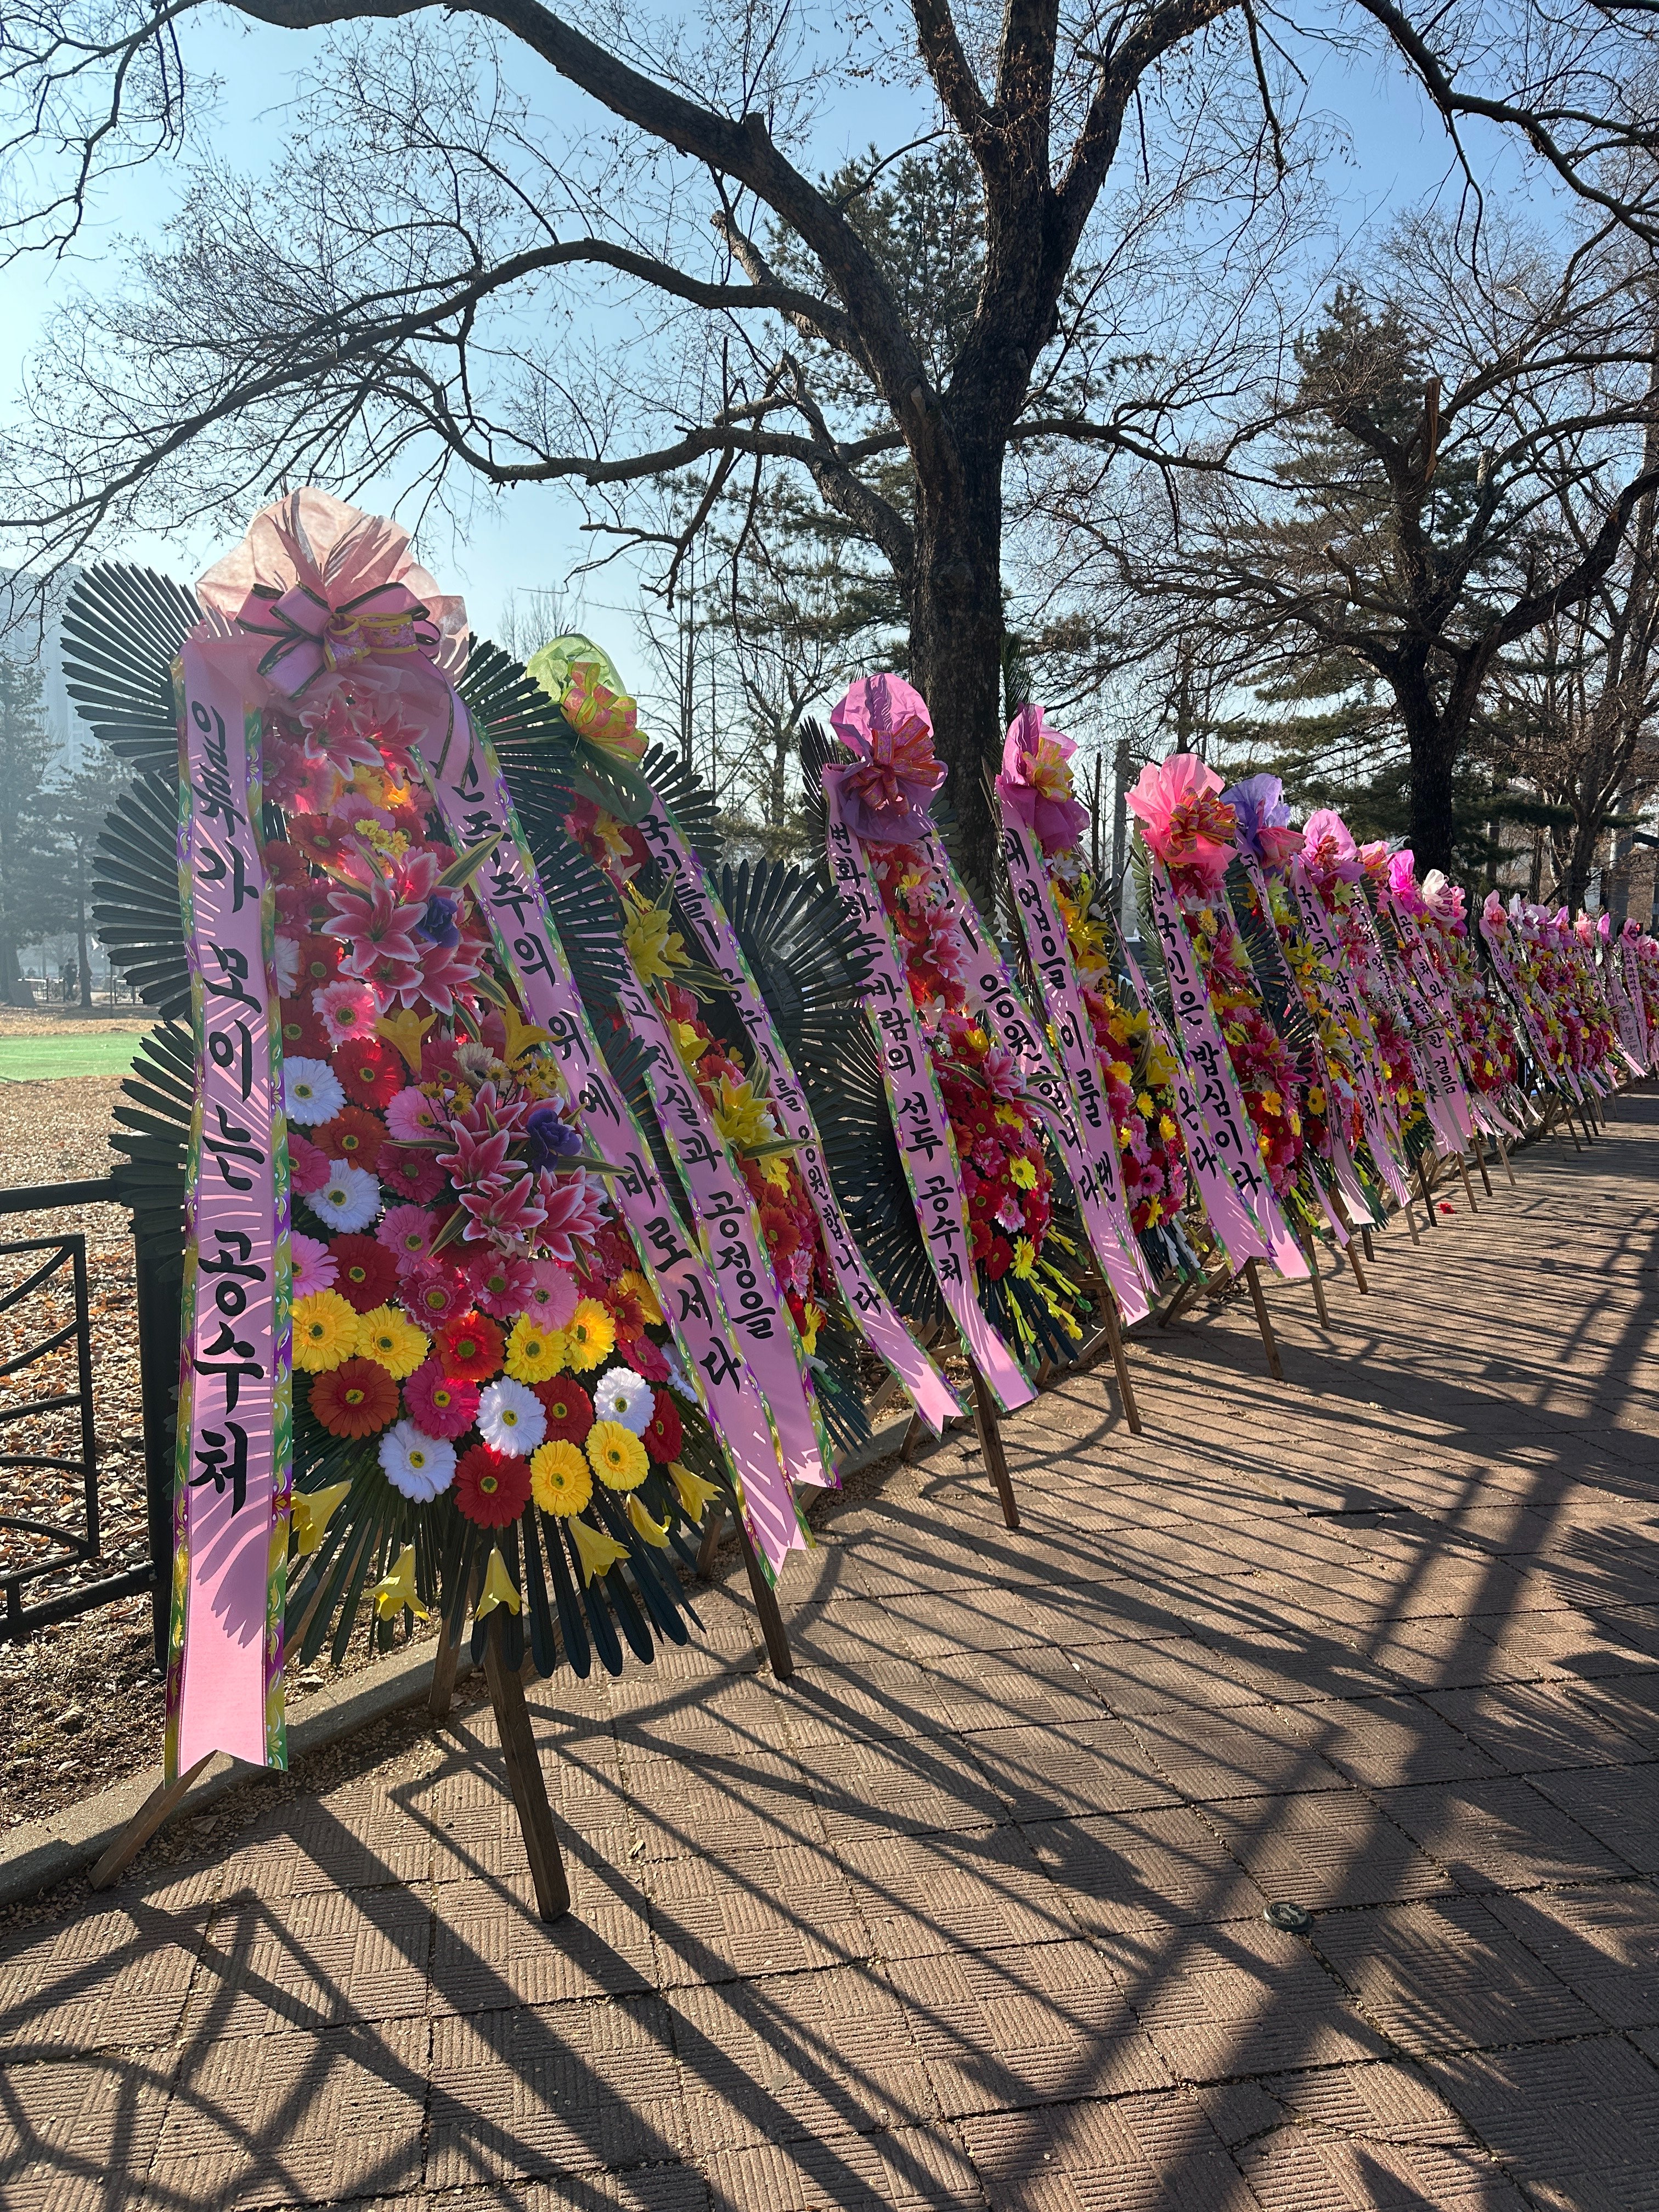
{"x": 971, "y": 1914}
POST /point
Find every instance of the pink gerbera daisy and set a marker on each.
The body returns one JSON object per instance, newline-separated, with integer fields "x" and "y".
{"x": 435, "y": 1292}
{"x": 412, "y": 1118}
{"x": 439, "y": 1405}
{"x": 314, "y": 1265}
{"x": 407, "y": 1233}
{"x": 348, "y": 1009}
{"x": 550, "y": 1297}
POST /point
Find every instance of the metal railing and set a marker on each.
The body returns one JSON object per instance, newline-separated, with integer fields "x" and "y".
{"x": 158, "y": 1339}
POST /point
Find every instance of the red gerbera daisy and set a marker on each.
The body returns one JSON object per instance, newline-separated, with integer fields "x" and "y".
{"x": 320, "y": 960}
{"x": 491, "y": 1487}
{"x": 355, "y": 1400}
{"x": 999, "y": 1259}
{"x": 568, "y": 1407}
{"x": 470, "y": 1348}
{"x": 409, "y": 1173}
{"x": 370, "y": 1072}
{"x": 664, "y": 1432}
{"x": 367, "y": 1273}
{"x": 354, "y": 1135}
{"x": 317, "y": 838}
{"x": 303, "y": 1036}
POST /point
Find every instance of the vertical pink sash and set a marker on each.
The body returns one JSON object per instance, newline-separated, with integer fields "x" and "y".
{"x": 870, "y": 1309}
{"x": 733, "y": 1247}
{"x": 920, "y": 1121}
{"x": 1231, "y": 1134}
{"x": 1090, "y": 1143}
{"x": 1350, "y": 1009}
{"x": 235, "y": 1405}
{"x": 467, "y": 785}
{"x": 1625, "y": 982}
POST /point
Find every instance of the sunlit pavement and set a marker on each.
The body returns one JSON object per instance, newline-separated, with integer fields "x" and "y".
{"x": 971, "y": 1912}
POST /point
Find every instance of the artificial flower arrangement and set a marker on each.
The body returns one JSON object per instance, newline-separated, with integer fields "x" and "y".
{"x": 1583, "y": 944}
{"x": 1187, "y": 843}
{"x": 964, "y": 1109}
{"x": 431, "y": 1210}
{"x": 1490, "y": 1055}
{"x": 1585, "y": 1039}
{"x": 1516, "y": 958}
{"x": 1134, "y": 1063}
{"x": 735, "y": 1112}
{"x": 1335, "y": 1094}
{"x": 1334, "y": 869}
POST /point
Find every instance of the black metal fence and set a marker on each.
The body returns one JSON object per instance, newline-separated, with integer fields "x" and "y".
{"x": 157, "y": 1308}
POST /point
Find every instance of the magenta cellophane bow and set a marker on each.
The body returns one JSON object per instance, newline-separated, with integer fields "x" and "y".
{"x": 1178, "y": 804}
{"x": 353, "y": 622}
{"x": 886, "y": 791}
{"x": 1036, "y": 782}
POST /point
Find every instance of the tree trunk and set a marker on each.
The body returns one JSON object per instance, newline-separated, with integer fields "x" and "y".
{"x": 956, "y": 644}
{"x": 1431, "y": 758}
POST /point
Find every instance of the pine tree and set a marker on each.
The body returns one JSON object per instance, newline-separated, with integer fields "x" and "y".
{"x": 31, "y": 901}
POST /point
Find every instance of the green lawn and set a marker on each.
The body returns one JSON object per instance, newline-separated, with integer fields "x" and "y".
{"x": 91, "y": 1052}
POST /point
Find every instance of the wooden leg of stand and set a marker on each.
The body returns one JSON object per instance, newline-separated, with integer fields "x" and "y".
{"x": 1428, "y": 1203}
{"x": 1188, "y": 1295}
{"x": 162, "y": 1801}
{"x": 1410, "y": 1223}
{"x": 447, "y": 1659}
{"x": 1358, "y": 1272}
{"x": 1253, "y": 1280}
{"x": 990, "y": 1443}
{"x": 911, "y": 1439}
{"x": 524, "y": 1778}
{"x": 713, "y": 1528}
{"x": 1310, "y": 1250}
{"x": 1126, "y": 1389}
{"x": 1468, "y": 1188}
{"x": 1343, "y": 1216}
{"x": 1365, "y": 1239}
{"x": 766, "y": 1606}
{"x": 1480, "y": 1145}
{"x": 1504, "y": 1155}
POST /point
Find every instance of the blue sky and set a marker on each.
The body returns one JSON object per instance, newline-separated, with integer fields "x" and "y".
{"x": 531, "y": 537}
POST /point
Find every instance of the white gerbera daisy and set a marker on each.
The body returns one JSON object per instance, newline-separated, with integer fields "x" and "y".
{"x": 510, "y": 1417}
{"x": 287, "y": 963}
{"x": 419, "y": 1466}
{"x": 311, "y": 1091}
{"x": 349, "y": 1200}
{"x": 621, "y": 1395}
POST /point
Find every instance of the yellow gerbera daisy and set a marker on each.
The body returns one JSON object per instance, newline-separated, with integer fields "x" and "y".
{"x": 324, "y": 1332}
{"x": 590, "y": 1335}
{"x": 534, "y": 1352}
{"x": 559, "y": 1478}
{"x": 636, "y": 1284}
{"x": 616, "y": 1455}
{"x": 1023, "y": 1175}
{"x": 390, "y": 1339}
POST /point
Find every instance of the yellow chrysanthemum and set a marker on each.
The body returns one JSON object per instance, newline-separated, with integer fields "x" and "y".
{"x": 590, "y": 1335}
{"x": 560, "y": 1480}
{"x": 324, "y": 1332}
{"x": 533, "y": 1352}
{"x": 616, "y": 1455}
{"x": 743, "y": 1119}
{"x": 655, "y": 950}
{"x": 1023, "y": 1175}
{"x": 1009, "y": 1117}
{"x": 391, "y": 1341}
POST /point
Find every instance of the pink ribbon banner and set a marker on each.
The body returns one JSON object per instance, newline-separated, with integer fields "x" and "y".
{"x": 1230, "y": 1135}
{"x": 467, "y": 785}
{"x": 872, "y": 1311}
{"x": 920, "y": 1121}
{"x": 1624, "y": 986}
{"x": 733, "y": 1246}
{"x": 1350, "y": 1010}
{"x": 1549, "y": 1067}
{"x": 235, "y": 1403}
{"x": 1429, "y": 997}
{"x": 1089, "y": 1146}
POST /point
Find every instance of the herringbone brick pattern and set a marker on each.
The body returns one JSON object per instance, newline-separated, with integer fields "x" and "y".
{"x": 971, "y": 1914}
